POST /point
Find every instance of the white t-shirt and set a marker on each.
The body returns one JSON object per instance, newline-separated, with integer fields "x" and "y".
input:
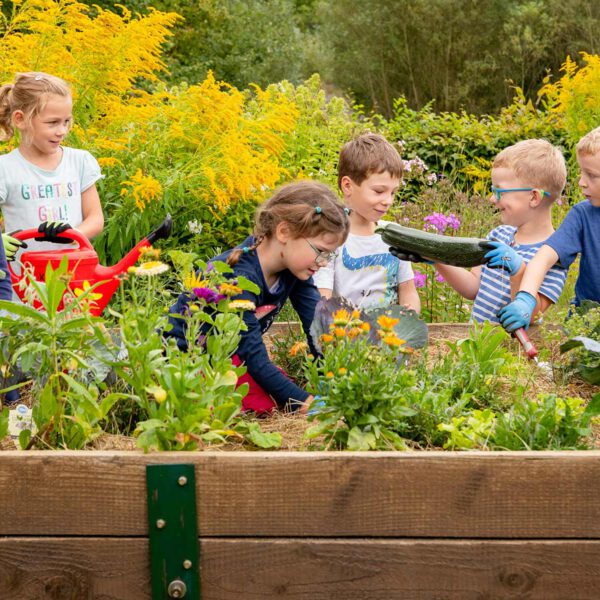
{"x": 364, "y": 272}
{"x": 30, "y": 195}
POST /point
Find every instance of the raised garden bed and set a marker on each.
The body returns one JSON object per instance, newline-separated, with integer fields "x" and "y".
{"x": 316, "y": 526}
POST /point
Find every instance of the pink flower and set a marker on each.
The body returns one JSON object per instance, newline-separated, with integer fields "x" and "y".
{"x": 439, "y": 277}
{"x": 440, "y": 222}
{"x": 420, "y": 279}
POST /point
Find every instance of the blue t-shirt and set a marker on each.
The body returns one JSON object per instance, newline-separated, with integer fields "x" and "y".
{"x": 304, "y": 297}
{"x": 494, "y": 284}
{"x": 5, "y": 286}
{"x": 579, "y": 233}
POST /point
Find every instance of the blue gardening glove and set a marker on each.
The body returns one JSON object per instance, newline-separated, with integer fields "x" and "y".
{"x": 503, "y": 256}
{"x": 11, "y": 245}
{"x": 317, "y": 405}
{"x": 50, "y": 231}
{"x": 518, "y": 313}
{"x": 402, "y": 254}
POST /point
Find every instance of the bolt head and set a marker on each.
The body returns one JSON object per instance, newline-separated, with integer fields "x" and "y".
{"x": 182, "y": 480}
{"x": 187, "y": 564}
{"x": 160, "y": 523}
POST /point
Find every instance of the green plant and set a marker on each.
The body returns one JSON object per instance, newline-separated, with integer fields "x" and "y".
{"x": 58, "y": 345}
{"x": 364, "y": 385}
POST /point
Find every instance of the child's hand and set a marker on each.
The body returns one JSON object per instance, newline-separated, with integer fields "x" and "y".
{"x": 11, "y": 245}
{"x": 518, "y": 313}
{"x": 408, "y": 256}
{"x": 50, "y": 231}
{"x": 502, "y": 256}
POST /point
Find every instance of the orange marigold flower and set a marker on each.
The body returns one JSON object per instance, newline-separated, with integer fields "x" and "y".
{"x": 228, "y": 289}
{"x": 341, "y": 317}
{"x": 326, "y": 338}
{"x": 387, "y": 323}
{"x": 354, "y": 332}
{"x": 365, "y": 326}
{"x": 329, "y": 375}
{"x": 339, "y": 332}
{"x": 297, "y": 348}
{"x": 393, "y": 340}
{"x": 356, "y": 314}
{"x": 342, "y": 371}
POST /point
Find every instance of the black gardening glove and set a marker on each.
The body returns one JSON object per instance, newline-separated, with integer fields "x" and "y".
{"x": 50, "y": 231}
{"x": 402, "y": 254}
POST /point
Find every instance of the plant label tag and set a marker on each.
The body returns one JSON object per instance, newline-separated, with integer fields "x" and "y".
{"x": 19, "y": 419}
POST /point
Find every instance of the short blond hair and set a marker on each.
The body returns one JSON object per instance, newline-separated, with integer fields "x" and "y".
{"x": 536, "y": 163}
{"x": 590, "y": 143}
{"x": 367, "y": 154}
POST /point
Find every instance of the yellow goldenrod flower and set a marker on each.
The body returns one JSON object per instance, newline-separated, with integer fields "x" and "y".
{"x": 228, "y": 289}
{"x": 109, "y": 161}
{"x": 149, "y": 269}
{"x": 297, "y": 348}
{"x": 144, "y": 189}
{"x": 242, "y": 305}
{"x": 341, "y": 317}
{"x": 387, "y": 323}
{"x": 326, "y": 338}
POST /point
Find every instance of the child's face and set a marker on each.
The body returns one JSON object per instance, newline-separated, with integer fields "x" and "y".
{"x": 515, "y": 207}
{"x": 370, "y": 200}
{"x": 305, "y": 256}
{"x": 589, "y": 179}
{"x": 49, "y": 127}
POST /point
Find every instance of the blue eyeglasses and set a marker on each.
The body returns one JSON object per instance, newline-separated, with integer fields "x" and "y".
{"x": 499, "y": 191}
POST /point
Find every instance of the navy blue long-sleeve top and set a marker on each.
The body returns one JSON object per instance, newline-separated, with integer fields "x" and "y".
{"x": 304, "y": 297}
{"x": 5, "y": 285}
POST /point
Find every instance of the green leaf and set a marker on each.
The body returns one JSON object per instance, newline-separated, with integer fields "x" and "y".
{"x": 24, "y": 438}
{"x": 262, "y": 439}
{"x": 361, "y": 440}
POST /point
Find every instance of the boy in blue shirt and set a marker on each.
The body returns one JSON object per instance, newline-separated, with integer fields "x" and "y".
{"x": 579, "y": 233}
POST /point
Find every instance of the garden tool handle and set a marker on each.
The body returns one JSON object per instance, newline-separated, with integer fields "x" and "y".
{"x": 70, "y": 234}
{"x": 530, "y": 349}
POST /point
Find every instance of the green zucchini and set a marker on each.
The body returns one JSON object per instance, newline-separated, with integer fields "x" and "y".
{"x": 457, "y": 251}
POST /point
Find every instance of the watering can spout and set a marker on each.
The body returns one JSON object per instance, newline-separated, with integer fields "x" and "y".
{"x": 163, "y": 231}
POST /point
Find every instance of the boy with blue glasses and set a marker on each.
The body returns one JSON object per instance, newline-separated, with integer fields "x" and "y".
{"x": 579, "y": 234}
{"x": 526, "y": 179}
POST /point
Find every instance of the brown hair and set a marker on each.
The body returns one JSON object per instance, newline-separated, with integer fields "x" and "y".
{"x": 29, "y": 93}
{"x": 367, "y": 154}
{"x": 537, "y": 163}
{"x": 308, "y": 207}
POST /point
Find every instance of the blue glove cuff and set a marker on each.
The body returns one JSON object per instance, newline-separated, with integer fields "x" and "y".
{"x": 528, "y": 299}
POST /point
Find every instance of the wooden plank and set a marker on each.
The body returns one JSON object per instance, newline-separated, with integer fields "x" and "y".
{"x": 337, "y": 494}
{"x": 317, "y": 569}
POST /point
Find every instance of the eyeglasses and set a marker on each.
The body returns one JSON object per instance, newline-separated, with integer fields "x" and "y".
{"x": 499, "y": 191}
{"x": 322, "y": 258}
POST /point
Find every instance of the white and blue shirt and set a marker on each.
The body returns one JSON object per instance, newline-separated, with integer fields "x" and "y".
{"x": 364, "y": 272}
{"x": 494, "y": 284}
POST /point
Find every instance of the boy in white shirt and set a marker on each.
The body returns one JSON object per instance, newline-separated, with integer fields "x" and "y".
{"x": 364, "y": 271}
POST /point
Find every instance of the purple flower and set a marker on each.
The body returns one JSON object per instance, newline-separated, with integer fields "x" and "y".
{"x": 208, "y": 295}
{"x": 420, "y": 279}
{"x": 439, "y": 278}
{"x": 440, "y": 222}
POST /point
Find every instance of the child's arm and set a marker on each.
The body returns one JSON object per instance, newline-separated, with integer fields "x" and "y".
{"x": 408, "y": 295}
{"x": 93, "y": 219}
{"x": 464, "y": 281}
{"x": 520, "y": 312}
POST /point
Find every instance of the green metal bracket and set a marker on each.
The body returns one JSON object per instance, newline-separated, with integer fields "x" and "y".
{"x": 173, "y": 532}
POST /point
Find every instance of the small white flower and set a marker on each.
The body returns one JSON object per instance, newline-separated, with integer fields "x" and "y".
{"x": 195, "y": 227}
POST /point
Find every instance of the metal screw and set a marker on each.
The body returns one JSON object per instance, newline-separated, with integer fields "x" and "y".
{"x": 182, "y": 480}
{"x": 160, "y": 523}
{"x": 187, "y": 564}
{"x": 177, "y": 589}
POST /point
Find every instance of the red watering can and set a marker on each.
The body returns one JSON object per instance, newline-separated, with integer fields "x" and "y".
{"x": 83, "y": 264}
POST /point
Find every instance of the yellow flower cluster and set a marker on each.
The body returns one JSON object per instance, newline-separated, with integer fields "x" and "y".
{"x": 345, "y": 325}
{"x": 143, "y": 188}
